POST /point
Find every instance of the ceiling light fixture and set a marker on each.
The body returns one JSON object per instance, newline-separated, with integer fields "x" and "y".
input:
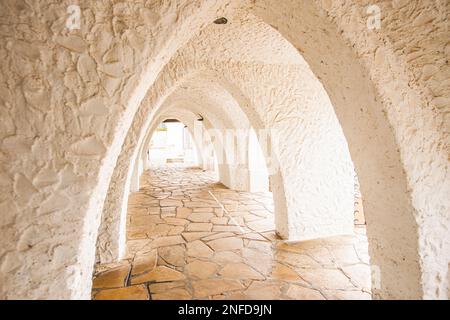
{"x": 222, "y": 20}
{"x": 170, "y": 120}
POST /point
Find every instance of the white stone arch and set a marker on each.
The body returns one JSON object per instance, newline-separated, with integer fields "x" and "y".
{"x": 296, "y": 215}
{"x": 217, "y": 72}
{"x": 183, "y": 116}
{"x": 381, "y": 249}
{"x": 359, "y": 69}
{"x": 82, "y": 128}
{"x": 192, "y": 97}
{"x": 186, "y": 117}
{"x": 189, "y": 116}
{"x": 81, "y": 160}
{"x": 111, "y": 241}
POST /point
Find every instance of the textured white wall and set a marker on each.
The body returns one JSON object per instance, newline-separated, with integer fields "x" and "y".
{"x": 315, "y": 166}
{"x": 69, "y": 99}
{"x": 111, "y": 247}
{"x": 392, "y": 115}
{"x": 72, "y": 96}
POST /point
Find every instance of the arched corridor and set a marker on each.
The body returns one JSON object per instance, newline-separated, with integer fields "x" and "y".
{"x": 298, "y": 109}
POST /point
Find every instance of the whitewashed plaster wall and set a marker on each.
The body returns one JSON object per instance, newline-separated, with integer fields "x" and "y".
{"x": 392, "y": 107}
{"x": 69, "y": 98}
{"x": 111, "y": 241}
{"x": 290, "y": 101}
{"x": 318, "y": 205}
{"x": 112, "y": 232}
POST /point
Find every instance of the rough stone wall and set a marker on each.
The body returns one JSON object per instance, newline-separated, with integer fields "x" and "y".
{"x": 317, "y": 205}
{"x": 408, "y": 61}
{"x": 158, "y": 101}
{"x": 390, "y": 130}
{"x": 289, "y": 99}
{"x": 68, "y": 99}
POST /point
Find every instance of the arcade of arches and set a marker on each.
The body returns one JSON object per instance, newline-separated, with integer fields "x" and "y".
{"x": 288, "y": 104}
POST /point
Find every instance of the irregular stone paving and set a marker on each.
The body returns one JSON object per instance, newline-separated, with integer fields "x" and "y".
{"x": 183, "y": 244}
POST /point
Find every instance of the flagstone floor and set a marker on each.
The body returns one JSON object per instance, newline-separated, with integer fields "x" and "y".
{"x": 189, "y": 237}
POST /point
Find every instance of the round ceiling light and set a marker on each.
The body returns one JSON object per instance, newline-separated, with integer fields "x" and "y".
{"x": 222, "y": 20}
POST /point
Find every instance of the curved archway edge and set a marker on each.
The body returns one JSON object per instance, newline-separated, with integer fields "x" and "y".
{"x": 404, "y": 177}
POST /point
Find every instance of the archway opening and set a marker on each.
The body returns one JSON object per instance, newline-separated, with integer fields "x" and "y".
{"x": 75, "y": 119}
{"x": 172, "y": 143}
{"x": 310, "y": 169}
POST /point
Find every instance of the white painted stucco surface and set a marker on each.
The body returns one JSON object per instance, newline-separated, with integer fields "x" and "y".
{"x": 70, "y": 101}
